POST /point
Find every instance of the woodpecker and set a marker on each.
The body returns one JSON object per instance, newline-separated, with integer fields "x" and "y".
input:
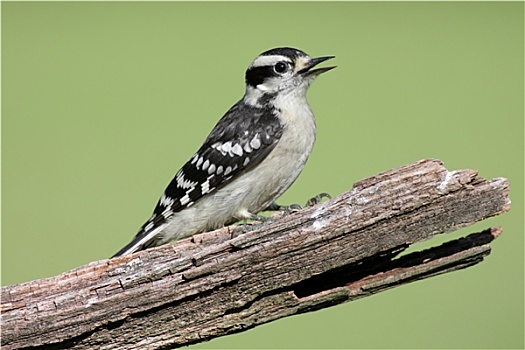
{"x": 252, "y": 155}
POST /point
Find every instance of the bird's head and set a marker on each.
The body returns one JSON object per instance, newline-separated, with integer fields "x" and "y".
{"x": 282, "y": 70}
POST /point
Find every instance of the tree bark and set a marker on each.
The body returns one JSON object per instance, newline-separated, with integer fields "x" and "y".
{"x": 228, "y": 280}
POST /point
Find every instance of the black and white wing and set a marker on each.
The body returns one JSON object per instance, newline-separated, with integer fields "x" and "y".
{"x": 239, "y": 141}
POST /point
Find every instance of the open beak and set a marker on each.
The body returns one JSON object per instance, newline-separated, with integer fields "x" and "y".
{"x": 307, "y": 71}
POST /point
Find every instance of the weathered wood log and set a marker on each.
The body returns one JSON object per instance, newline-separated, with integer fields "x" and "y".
{"x": 226, "y": 281}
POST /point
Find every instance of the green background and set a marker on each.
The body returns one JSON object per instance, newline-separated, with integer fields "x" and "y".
{"x": 103, "y": 102}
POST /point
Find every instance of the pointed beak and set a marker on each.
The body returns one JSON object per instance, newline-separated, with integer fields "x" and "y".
{"x": 307, "y": 71}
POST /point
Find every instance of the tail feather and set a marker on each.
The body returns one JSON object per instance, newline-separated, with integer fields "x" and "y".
{"x": 142, "y": 241}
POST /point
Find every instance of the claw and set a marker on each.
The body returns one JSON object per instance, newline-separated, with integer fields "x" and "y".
{"x": 292, "y": 208}
{"x": 317, "y": 199}
{"x": 288, "y": 209}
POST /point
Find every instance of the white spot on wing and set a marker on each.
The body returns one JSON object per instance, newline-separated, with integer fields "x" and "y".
{"x": 237, "y": 149}
{"x": 247, "y": 148}
{"x": 211, "y": 169}
{"x": 167, "y": 213}
{"x": 246, "y": 161}
{"x": 206, "y": 165}
{"x": 219, "y": 147}
{"x": 166, "y": 201}
{"x": 205, "y": 187}
{"x": 182, "y": 182}
{"x": 199, "y": 163}
{"x": 228, "y": 170}
{"x": 226, "y": 147}
{"x": 255, "y": 143}
{"x": 219, "y": 170}
{"x": 185, "y": 200}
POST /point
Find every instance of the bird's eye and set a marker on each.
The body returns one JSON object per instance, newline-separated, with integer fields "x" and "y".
{"x": 280, "y": 67}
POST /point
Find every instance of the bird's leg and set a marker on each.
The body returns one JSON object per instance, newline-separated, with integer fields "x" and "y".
{"x": 286, "y": 209}
{"x": 248, "y": 227}
{"x": 289, "y": 209}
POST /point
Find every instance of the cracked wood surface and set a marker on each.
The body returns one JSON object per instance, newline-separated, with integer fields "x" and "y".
{"x": 226, "y": 281}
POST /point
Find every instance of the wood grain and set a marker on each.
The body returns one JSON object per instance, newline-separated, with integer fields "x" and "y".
{"x": 229, "y": 280}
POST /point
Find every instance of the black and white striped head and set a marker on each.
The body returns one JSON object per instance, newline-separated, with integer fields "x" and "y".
{"x": 283, "y": 69}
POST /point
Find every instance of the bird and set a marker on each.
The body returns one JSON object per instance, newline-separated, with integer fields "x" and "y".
{"x": 250, "y": 158}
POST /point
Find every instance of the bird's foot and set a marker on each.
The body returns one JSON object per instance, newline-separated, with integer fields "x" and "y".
{"x": 289, "y": 209}
{"x": 259, "y": 221}
{"x": 317, "y": 199}
{"x": 286, "y": 209}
